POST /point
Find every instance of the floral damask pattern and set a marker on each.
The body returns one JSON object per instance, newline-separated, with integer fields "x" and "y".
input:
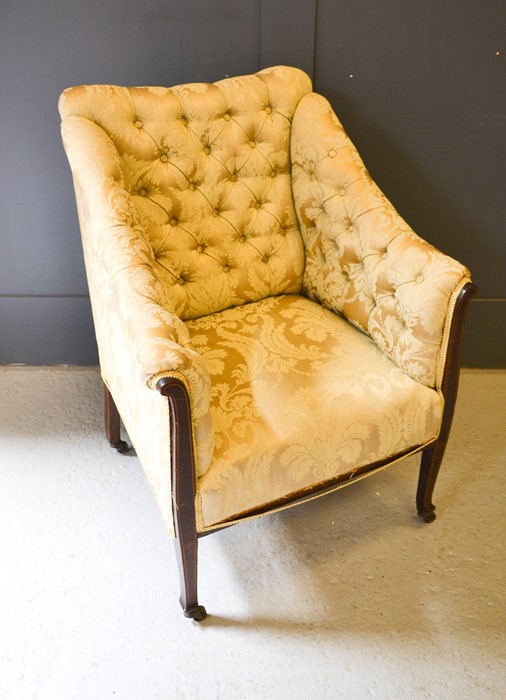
{"x": 299, "y": 396}
{"x": 192, "y": 206}
{"x": 362, "y": 259}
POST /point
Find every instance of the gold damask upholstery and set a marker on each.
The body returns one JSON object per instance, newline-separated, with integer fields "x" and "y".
{"x": 290, "y": 407}
{"x": 268, "y": 325}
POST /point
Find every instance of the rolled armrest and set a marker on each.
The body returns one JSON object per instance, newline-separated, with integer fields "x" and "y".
{"x": 161, "y": 344}
{"x": 158, "y": 337}
{"x": 362, "y": 259}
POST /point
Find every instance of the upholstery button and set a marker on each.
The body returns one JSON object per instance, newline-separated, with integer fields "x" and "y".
{"x": 332, "y": 154}
{"x": 312, "y": 176}
{"x": 252, "y": 144}
{"x": 173, "y": 222}
{"x": 265, "y": 258}
{"x": 341, "y": 191}
{"x": 191, "y": 186}
{"x": 143, "y": 192}
{"x": 243, "y": 238}
{"x": 207, "y": 150}
{"x": 257, "y": 205}
{"x": 273, "y": 173}
{"x": 184, "y": 121}
{"x": 200, "y": 248}
{"x": 268, "y": 109}
{"x": 164, "y": 157}
{"x": 419, "y": 278}
{"x": 384, "y": 256}
{"x": 233, "y": 177}
{"x": 215, "y": 212}
{"x": 226, "y": 268}
{"x": 226, "y": 116}
{"x": 138, "y": 124}
{"x": 180, "y": 280}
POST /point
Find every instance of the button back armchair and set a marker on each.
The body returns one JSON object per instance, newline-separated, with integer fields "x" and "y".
{"x": 269, "y": 328}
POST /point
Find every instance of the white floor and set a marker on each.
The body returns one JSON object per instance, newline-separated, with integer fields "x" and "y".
{"x": 346, "y": 597}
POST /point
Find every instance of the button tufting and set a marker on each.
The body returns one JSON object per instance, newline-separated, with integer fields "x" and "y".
{"x": 143, "y": 192}
{"x": 138, "y": 124}
{"x": 312, "y": 176}
{"x": 341, "y": 191}
{"x": 215, "y": 212}
{"x": 273, "y": 173}
{"x": 173, "y": 222}
{"x": 207, "y": 150}
{"x": 184, "y": 121}
{"x": 200, "y": 248}
{"x": 268, "y": 109}
{"x": 226, "y": 116}
{"x": 257, "y": 205}
{"x": 419, "y": 278}
{"x": 252, "y": 144}
{"x": 265, "y": 258}
{"x": 243, "y": 237}
{"x": 332, "y": 154}
{"x": 233, "y": 177}
{"x": 180, "y": 280}
{"x": 226, "y": 268}
{"x": 384, "y": 256}
{"x": 191, "y": 186}
{"x": 164, "y": 157}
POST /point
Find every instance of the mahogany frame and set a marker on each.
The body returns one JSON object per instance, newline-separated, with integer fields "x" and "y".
{"x": 183, "y": 461}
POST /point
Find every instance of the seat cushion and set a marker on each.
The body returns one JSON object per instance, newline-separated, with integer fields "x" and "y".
{"x": 299, "y": 396}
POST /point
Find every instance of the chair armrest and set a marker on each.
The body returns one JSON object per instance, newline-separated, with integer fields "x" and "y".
{"x": 362, "y": 259}
{"x": 132, "y": 310}
{"x": 158, "y": 337}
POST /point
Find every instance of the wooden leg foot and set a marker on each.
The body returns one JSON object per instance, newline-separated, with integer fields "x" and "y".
{"x": 112, "y": 424}
{"x": 197, "y": 613}
{"x": 429, "y": 468}
{"x": 428, "y": 514}
{"x": 122, "y": 446}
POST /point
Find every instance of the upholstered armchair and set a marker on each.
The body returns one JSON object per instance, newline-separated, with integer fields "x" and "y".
{"x": 269, "y": 328}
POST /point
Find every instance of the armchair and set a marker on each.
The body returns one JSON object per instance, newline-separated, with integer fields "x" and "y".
{"x": 269, "y": 328}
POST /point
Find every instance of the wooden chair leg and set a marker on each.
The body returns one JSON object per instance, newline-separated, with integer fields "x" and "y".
{"x": 432, "y": 457}
{"x": 183, "y": 495}
{"x": 112, "y": 423}
{"x": 186, "y": 547}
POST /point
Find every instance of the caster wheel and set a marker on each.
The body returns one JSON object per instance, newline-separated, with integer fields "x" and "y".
{"x": 428, "y": 515}
{"x": 198, "y": 613}
{"x": 121, "y": 446}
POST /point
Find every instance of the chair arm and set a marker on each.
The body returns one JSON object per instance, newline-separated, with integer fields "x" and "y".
{"x": 158, "y": 337}
{"x": 126, "y": 294}
{"x": 362, "y": 259}
{"x": 163, "y": 349}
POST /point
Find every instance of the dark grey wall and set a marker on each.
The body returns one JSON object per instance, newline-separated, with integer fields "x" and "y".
{"x": 421, "y": 89}
{"x": 425, "y": 107}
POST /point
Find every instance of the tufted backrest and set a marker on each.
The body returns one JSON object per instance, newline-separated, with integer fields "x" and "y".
{"x": 200, "y": 173}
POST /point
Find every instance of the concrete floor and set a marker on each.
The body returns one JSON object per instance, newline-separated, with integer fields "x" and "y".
{"x": 349, "y": 596}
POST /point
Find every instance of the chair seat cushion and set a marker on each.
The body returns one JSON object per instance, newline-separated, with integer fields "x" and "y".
{"x": 299, "y": 397}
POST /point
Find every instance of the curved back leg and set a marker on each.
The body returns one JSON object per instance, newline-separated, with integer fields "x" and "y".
{"x": 433, "y": 454}
{"x": 112, "y": 423}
